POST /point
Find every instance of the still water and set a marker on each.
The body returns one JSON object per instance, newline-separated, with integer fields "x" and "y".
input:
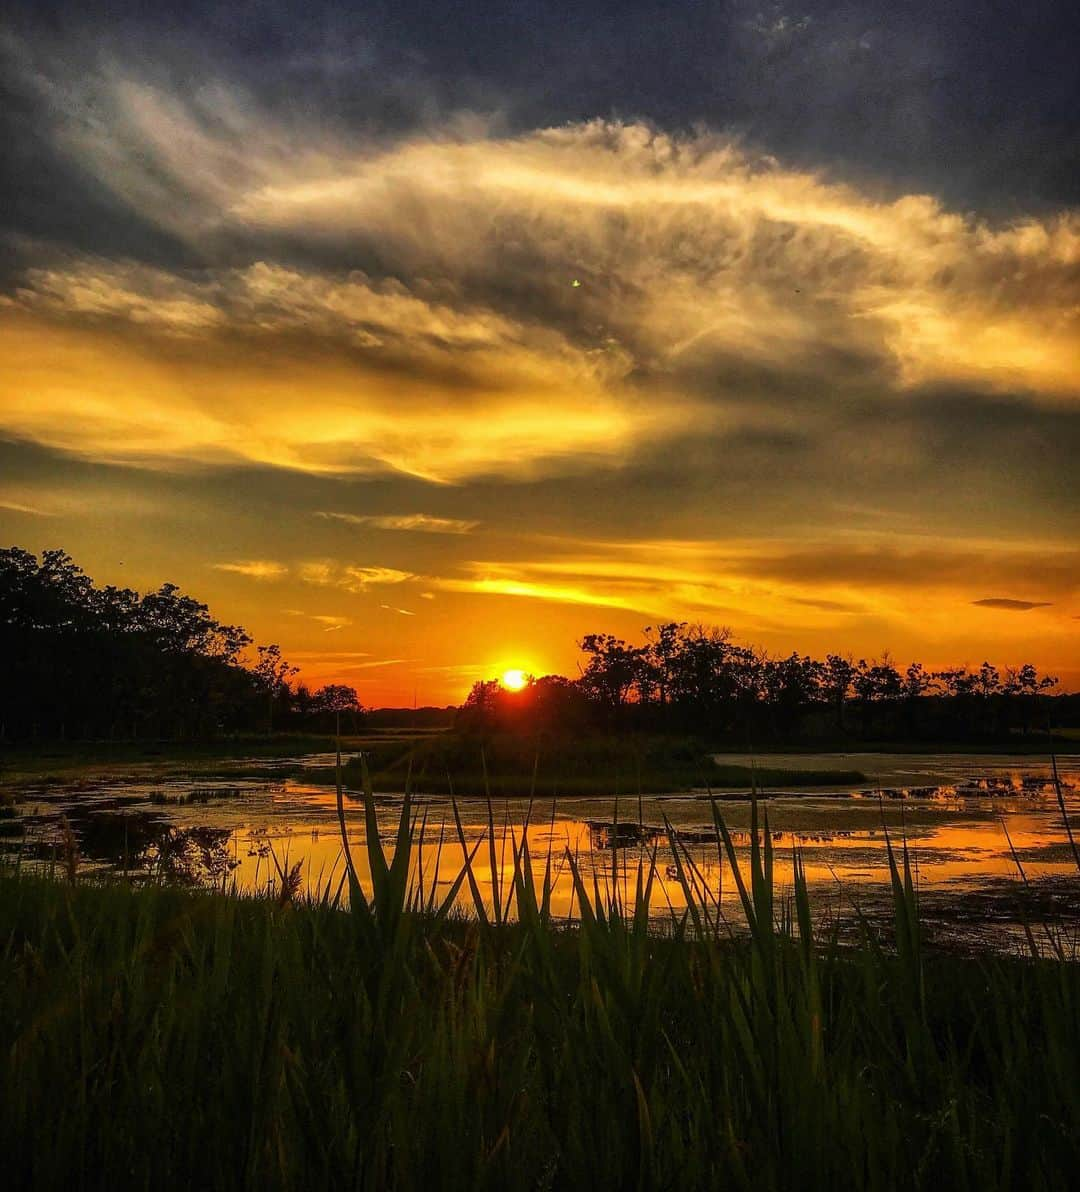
{"x": 972, "y": 823}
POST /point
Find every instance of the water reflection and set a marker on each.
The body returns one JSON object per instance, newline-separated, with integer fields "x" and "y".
{"x": 246, "y": 832}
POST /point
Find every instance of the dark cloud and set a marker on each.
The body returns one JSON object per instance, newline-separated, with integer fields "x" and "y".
{"x": 922, "y": 567}
{"x": 1020, "y": 606}
{"x": 974, "y": 105}
{"x": 834, "y": 606}
{"x": 950, "y": 91}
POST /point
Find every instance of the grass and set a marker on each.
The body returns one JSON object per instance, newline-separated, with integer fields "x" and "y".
{"x": 441, "y": 762}
{"x": 1035, "y": 744}
{"x": 168, "y": 1039}
{"x": 60, "y": 761}
{"x": 590, "y": 765}
{"x": 582, "y": 766}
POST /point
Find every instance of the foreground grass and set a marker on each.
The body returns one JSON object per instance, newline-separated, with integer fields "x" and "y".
{"x": 169, "y": 1039}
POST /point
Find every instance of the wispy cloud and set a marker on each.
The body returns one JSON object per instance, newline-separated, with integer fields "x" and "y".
{"x": 320, "y": 573}
{"x": 463, "y": 670}
{"x": 343, "y": 661}
{"x": 330, "y": 622}
{"x": 260, "y": 569}
{"x": 30, "y": 510}
{"x": 420, "y": 522}
{"x": 364, "y": 577}
{"x": 773, "y": 584}
{"x": 327, "y": 655}
{"x": 375, "y": 663}
{"x": 324, "y": 573}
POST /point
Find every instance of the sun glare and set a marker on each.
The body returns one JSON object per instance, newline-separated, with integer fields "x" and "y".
{"x": 515, "y": 680}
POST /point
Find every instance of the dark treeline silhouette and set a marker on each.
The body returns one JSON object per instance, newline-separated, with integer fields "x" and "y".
{"x": 86, "y": 662}
{"x": 695, "y": 679}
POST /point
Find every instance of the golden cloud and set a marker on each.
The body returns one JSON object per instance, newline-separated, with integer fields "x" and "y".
{"x": 29, "y": 510}
{"x": 109, "y": 394}
{"x": 424, "y": 523}
{"x": 350, "y": 578}
{"x": 254, "y": 568}
{"x": 775, "y": 585}
{"x": 685, "y": 242}
{"x": 473, "y": 352}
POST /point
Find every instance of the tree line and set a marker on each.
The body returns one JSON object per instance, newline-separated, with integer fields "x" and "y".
{"x": 90, "y": 662}
{"x": 697, "y": 679}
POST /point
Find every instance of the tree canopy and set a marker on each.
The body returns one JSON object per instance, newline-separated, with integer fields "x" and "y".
{"x": 696, "y": 678}
{"x": 84, "y": 661}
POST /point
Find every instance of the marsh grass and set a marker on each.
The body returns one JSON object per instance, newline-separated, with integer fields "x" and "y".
{"x": 177, "y": 1039}
{"x": 592, "y": 764}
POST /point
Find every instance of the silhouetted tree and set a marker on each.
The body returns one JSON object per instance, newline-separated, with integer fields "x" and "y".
{"x": 837, "y": 678}
{"x": 614, "y": 670}
{"x": 273, "y": 673}
{"x": 335, "y": 702}
{"x": 86, "y": 661}
{"x": 914, "y": 686}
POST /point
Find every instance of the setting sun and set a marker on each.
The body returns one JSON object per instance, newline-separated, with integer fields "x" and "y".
{"x": 514, "y": 680}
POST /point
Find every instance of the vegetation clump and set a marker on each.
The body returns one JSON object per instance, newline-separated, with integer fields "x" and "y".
{"x": 519, "y": 764}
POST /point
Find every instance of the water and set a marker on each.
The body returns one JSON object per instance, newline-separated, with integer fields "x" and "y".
{"x": 958, "y": 813}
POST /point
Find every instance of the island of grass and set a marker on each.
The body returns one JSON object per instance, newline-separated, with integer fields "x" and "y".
{"x": 430, "y": 762}
{"x": 510, "y": 765}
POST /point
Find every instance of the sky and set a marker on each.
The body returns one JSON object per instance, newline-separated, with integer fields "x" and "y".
{"x": 424, "y": 339}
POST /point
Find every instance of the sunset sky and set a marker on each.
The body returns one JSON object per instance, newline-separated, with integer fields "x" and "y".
{"x": 423, "y": 339}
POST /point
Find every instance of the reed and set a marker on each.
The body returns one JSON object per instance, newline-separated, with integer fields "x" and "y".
{"x": 423, "y": 1037}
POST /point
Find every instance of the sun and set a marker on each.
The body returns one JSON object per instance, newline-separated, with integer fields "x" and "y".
{"x": 514, "y": 680}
